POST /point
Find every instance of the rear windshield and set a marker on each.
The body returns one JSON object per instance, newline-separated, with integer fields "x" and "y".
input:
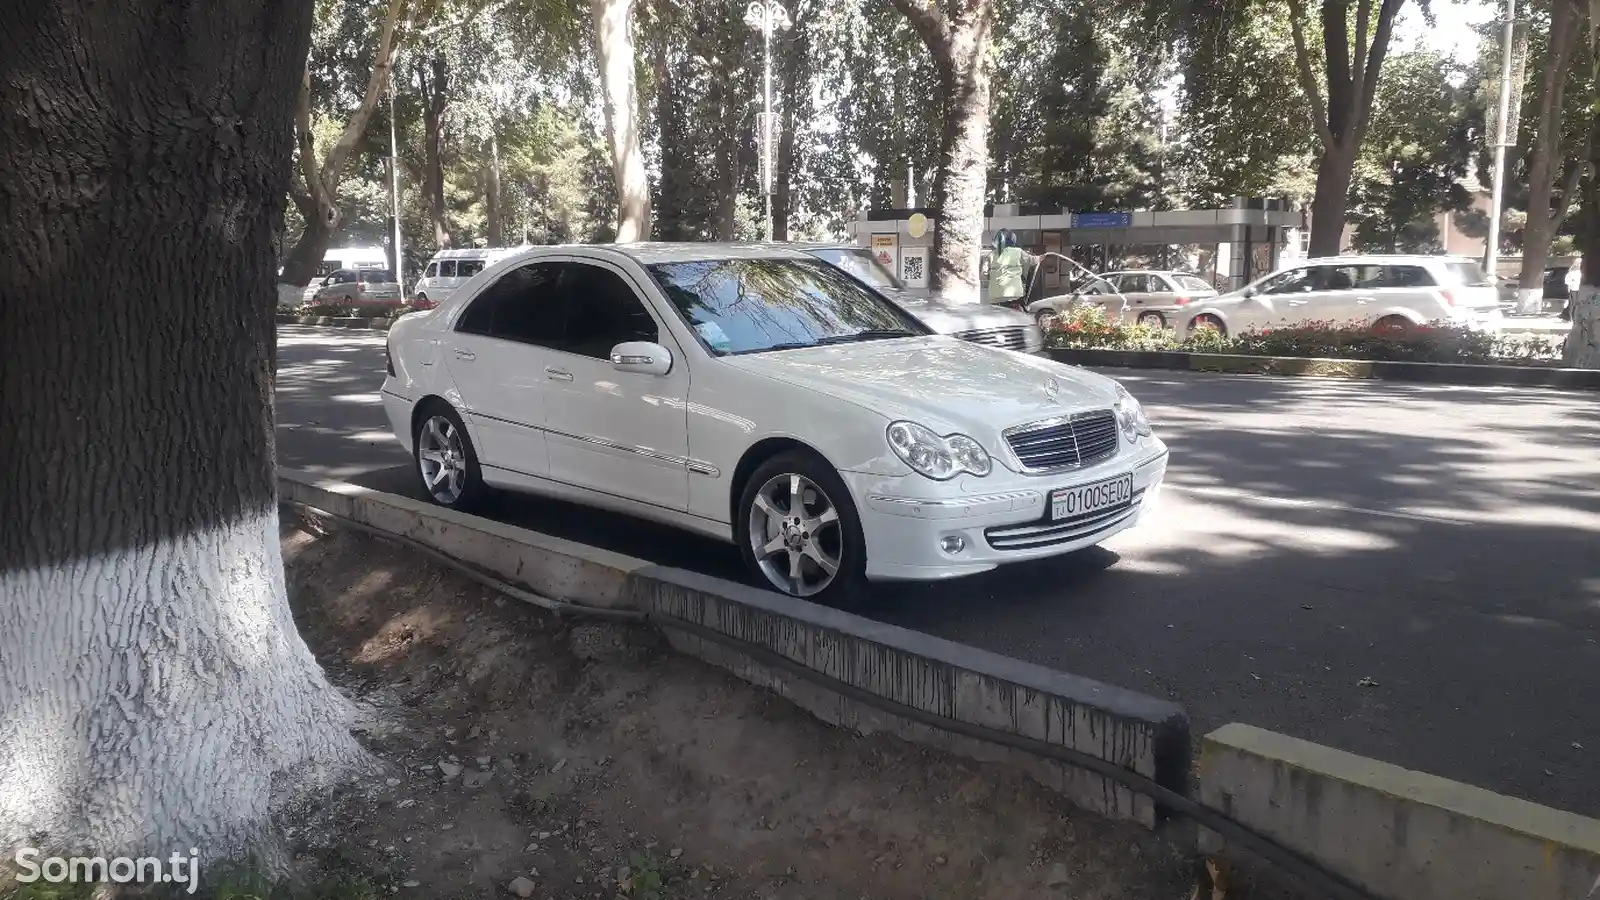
{"x": 379, "y": 276}
{"x": 1466, "y": 273}
{"x": 1192, "y": 283}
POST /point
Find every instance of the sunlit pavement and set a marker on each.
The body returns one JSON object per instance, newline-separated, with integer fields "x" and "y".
{"x": 1406, "y": 572}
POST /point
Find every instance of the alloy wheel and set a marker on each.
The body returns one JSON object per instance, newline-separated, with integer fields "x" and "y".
{"x": 442, "y": 458}
{"x": 796, "y": 536}
{"x": 1152, "y": 320}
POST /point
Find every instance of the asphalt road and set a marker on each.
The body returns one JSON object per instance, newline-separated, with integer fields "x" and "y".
{"x": 1407, "y": 572}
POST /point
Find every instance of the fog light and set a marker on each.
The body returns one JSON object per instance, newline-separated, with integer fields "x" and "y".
{"x": 953, "y": 543}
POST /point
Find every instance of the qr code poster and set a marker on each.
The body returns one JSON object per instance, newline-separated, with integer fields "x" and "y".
{"x": 914, "y": 267}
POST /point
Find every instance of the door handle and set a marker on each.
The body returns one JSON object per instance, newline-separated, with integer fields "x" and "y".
{"x": 557, "y": 374}
{"x": 465, "y": 354}
{"x": 1298, "y": 302}
{"x": 1363, "y": 300}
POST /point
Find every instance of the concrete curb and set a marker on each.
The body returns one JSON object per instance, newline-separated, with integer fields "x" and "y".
{"x": 1143, "y": 734}
{"x": 1427, "y": 373}
{"x": 351, "y": 322}
{"x": 1395, "y": 832}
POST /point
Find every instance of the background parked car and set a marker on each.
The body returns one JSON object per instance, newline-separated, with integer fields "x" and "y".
{"x": 996, "y": 326}
{"x": 1156, "y": 298}
{"x": 1095, "y": 291}
{"x": 365, "y": 290}
{"x": 450, "y": 269}
{"x": 1389, "y": 292}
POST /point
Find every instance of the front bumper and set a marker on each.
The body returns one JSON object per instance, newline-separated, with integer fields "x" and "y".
{"x": 1000, "y": 519}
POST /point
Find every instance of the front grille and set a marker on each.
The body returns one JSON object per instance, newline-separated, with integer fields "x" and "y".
{"x": 1012, "y": 337}
{"x": 1080, "y": 440}
{"x": 1048, "y": 533}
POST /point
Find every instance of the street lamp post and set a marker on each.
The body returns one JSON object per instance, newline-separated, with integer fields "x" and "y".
{"x": 766, "y": 16}
{"x": 1503, "y": 134}
{"x": 394, "y": 193}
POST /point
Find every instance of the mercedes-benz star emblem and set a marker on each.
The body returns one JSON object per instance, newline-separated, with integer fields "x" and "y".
{"x": 1052, "y": 388}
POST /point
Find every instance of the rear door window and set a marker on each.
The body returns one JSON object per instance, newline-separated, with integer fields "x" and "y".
{"x": 1191, "y": 283}
{"x": 1156, "y": 284}
{"x": 523, "y": 305}
{"x": 1133, "y": 284}
{"x": 1404, "y": 277}
{"x": 467, "y": 268}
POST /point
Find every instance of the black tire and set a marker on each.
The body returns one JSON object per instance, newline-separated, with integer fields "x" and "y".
{"x": 849, "y": 582}
{"x": 1393, "y": 326}
{"x": 472, "y": 491}
{"x": 1151, "y": 320}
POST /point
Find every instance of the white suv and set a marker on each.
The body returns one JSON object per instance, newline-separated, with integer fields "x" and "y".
{"x": 1390, "y": 293}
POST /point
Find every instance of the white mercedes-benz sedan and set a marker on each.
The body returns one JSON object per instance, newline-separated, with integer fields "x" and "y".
{"x": 761, "y": 396}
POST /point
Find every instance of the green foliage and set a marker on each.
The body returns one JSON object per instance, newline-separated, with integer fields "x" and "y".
{"x": 1418, "y": 149}
{"x": 1087, "y": 325}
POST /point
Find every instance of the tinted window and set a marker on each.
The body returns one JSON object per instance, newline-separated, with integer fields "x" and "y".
{"x": 1404, "y": 277}
{"x": 601, "y": 310}
{"x": 433, "y": 271}
{"x": 447, "y": 268}
{"x": 1192, "y": 283}
{"x": 345, "y": 276}
{"x": 379, "y": 276}
{"x": 1293, "y": 281}
{"x": 467, "y": 268}
{"x": 1465, "y": 273}
{"x": 751, "y": 305}
{"x": 1158, "y": 285}
{"x": 1133, "y": 284}
{"x": 1334, "y": 278}
{"x": 523, "y": 305}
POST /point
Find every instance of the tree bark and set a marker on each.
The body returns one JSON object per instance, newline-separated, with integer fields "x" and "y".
{"x": 959, "y": 46}
{"x": 318, "y": 196}
{"x": 154, "y": 693}
{"x": 433, "y": 87}
{"x": 1582, "y": 348}
{"x": 1351, "y": 73}
{"x": 1547, "y": 152}
{"x": 783, "y": 174}
{"x": 794, "y": 101}
{"x": 614, "y": 53}
{"x": 493, "y": 209}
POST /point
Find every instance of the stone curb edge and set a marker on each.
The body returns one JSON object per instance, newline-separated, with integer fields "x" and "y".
{"x": 1143, "y": 734}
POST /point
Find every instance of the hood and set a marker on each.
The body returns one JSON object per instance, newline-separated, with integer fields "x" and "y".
{"x": 944, "y": 383}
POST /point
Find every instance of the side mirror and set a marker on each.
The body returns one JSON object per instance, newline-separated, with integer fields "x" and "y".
{"x": 642, "y": 357}
{"x": 1249, "y": 293}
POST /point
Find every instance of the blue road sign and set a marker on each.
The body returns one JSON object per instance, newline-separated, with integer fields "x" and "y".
{"x": 1102, "y": 220}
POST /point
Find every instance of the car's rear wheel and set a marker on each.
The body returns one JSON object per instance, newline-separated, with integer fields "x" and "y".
{"x": 446, "y": 461}
{"x": 1208, "y": 322}
{"x": 799, "y": 531}
{"x": 1392, "y": 325}
{"x": 1152, "y": 320}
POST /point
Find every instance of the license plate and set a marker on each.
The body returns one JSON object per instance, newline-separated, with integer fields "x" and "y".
{"x": 1069, "y": 503}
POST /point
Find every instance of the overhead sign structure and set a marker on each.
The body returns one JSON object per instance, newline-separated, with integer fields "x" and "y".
{"x": 1102, "y": 220}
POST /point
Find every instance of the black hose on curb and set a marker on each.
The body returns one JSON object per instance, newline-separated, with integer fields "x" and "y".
{"x": 1308, "y": 872}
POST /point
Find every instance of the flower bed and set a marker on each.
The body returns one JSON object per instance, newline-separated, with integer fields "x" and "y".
{"x": 1087, "y": 327}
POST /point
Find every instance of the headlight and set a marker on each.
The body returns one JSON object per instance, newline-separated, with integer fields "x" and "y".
{"x": 939, "y": 458}
{"x": 1130, "y": 416}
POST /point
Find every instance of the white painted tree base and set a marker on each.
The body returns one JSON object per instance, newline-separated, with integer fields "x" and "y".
{"x": 1582, "y": 350}
{"x": 290, "y": 296}
{"x": 1530, "y": 301}
{"x": 161, "y": 698}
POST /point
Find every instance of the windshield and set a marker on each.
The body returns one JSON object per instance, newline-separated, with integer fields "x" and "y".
{"x": 1192, "y": 283}
{"x": 862, "y": 265}
{"x": 753, "y": 305}
{"x": 1467, "y": 273}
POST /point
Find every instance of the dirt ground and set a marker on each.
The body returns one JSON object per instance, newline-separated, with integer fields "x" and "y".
{"x": 592, "y": 763}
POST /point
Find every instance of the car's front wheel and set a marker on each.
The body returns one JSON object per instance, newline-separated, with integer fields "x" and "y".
{"x": 799, "y": 531}
{"x": 446, "y": 462}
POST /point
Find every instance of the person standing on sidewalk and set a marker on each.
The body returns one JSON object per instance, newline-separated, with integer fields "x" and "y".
{"x": 1574, "y": 282}
{"x": 1009, "y": 269}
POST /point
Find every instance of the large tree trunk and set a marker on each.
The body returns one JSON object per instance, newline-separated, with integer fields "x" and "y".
{"x": 960, "y": 49}
{"x": 1582, "y": 349}
{"x": 1546, "y": 156}
{"x": 492, "y": 207}
{"x": 614, "y": 52}
{"x": 1351, "y": 73}
{"x": 433, "y": 86}
{"x": 783, "y": 175}
{"x": 154, "y": 693}
{"x": 1335, "y": 168}
{"x": 317, "y": 194}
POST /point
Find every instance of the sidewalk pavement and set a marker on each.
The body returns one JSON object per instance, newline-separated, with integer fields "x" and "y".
{"x": 1533, "y": 325}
